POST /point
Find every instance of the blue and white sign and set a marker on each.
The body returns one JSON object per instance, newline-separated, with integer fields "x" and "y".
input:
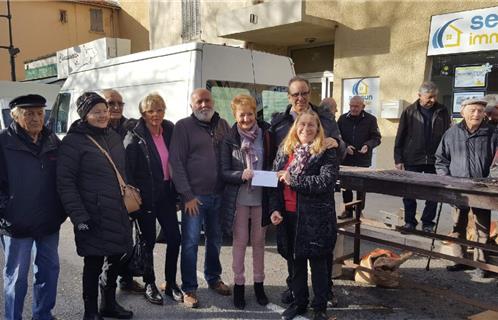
{"x": 367, "y": 88}
{"x": 467, "y": 31}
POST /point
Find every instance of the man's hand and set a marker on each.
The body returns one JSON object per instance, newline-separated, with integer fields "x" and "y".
{"x": 284, "y": 176}
{"x": 247, "y": 174}
{"x": 276, "y": 218}
{"x": 400, "y": 166}
{"x": 350, "y": 150}
{"x": 364, "y": 149}
{"x": 192, "y": 207}
{"x": 330, "y": 143}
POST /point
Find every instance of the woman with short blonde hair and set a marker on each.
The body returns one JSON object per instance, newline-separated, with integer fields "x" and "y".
{"x": 147, "y": 168}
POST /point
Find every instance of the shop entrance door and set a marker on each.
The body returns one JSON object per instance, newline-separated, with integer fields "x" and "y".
{"x": 321, "y": 85}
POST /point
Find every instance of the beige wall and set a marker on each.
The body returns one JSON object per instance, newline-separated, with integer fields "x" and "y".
{"x": 37, "y": 30}
{"x": 166, "y": 22}
{"x": 134, "y": 24}
{"x": 387, "y": 39}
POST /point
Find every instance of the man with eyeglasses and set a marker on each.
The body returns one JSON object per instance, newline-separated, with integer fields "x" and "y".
{"x": 121, "y": 125}
{"x": 298, "y": 93}
{"x": 118, "y": 122}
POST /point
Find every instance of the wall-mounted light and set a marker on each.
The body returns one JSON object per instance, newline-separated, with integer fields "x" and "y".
{"x": 309, "y": 40}
{"x": 253, "y": 18}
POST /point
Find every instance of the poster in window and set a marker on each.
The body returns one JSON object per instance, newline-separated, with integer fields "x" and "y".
{"x": 471, "y": 76}
{"x": 459, "y": 97}
{"x": 367, "y": 88}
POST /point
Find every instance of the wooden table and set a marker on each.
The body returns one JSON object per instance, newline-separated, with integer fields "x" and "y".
{"x": 479, "y": 193}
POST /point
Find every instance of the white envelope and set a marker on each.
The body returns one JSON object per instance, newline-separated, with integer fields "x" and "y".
{"x": 264, "y": 179}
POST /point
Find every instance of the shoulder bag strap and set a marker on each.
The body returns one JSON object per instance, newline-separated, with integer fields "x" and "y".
{"x": 118, "y": 175}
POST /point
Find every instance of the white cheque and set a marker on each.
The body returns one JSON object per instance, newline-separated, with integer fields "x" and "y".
{"x": 264, "y": 179}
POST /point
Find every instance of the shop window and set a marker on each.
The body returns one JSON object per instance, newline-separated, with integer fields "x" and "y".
{"x": 96, "y": 20}
{"x": 464, "y": 76}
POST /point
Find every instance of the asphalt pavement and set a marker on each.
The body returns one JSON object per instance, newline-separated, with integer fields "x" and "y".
{"x": 356, "y": 301}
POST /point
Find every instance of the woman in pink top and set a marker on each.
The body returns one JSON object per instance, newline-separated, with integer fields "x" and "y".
{"x": 147, "y": 168}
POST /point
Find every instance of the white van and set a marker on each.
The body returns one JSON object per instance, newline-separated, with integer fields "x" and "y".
{"x": 174, "y": 72}
{"x": 11, "y": 89}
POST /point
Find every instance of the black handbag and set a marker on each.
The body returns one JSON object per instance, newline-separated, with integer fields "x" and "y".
{"x": 136, "y": 259}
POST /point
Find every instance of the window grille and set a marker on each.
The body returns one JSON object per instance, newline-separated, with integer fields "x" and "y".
{"x": 191, "y": 20}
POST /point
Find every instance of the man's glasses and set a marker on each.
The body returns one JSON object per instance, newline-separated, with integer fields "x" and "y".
{"x": 115, "y": 104}
{"x": 302, "y": 94}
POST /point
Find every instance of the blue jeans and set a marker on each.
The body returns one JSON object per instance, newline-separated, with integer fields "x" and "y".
{"x": 191, "y": 230}
{"x": 45, "y": 274}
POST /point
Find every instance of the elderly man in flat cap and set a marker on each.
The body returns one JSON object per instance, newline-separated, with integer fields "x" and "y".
{"x": 467, "y": 150}
{"x": 30, "y": 210}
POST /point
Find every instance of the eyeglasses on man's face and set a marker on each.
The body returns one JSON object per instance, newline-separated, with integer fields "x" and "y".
{"x": 115, "y": 104}
{"x": 302, "y": 94}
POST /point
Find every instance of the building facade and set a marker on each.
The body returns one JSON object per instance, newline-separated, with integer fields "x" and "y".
{"x": 377, "y": 49}
{"x": 41, "y": 28}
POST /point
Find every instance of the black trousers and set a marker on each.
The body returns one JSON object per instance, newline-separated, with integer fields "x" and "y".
{"x": 92, "y": 270}
{"x": 123, "y": 272}
{"x": 164, "y": 211}
{"x": 298, "y": 271}
{"x": 318, "y": 280}
{"x": 290, "y": 228}
{"x": 430, "y": 208}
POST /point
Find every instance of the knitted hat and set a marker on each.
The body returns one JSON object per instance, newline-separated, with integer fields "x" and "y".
{"x": 86, "y": 102}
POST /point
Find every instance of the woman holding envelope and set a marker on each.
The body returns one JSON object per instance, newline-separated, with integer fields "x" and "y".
{"x": 246, "y": 148}
{"x": 304, "y": 210}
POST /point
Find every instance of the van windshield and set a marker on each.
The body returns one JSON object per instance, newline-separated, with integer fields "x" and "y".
{"x": 269, "y": 99}
{"x": 60, "y": 111}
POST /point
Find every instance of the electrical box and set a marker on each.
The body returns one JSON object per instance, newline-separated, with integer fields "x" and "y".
{"x": 391, "y": 109}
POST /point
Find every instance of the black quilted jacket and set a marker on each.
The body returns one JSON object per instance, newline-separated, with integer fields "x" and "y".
{"x": 316, "y": 224}
{"x": 232, "y": 166}
{"x": 90, "y": 192}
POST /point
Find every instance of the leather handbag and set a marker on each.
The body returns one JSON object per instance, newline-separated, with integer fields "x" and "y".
{"x": 131, "y": 195}
{"x": 135, "y": 261}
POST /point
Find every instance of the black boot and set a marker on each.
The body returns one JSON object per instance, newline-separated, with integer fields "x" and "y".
{"x": 109, "y": 307}
{"x": 259, "y": 290}
{"x": 91, "y": 309}
{"x": 94, "y": 316}
{"x": 238, "y": 296}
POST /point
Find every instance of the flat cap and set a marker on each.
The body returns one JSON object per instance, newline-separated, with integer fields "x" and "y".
{"x": 480, "y": 101}
{"x": 28, "y": 101}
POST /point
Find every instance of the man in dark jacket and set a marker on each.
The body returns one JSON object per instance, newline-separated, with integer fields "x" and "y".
{"x": 467, "y": 150}
{"x": 299, "y": 91}
{"x": 420, "y": 130}
{"x": 30, "y": 210}
{"x": 361, "y": 134}
{"x": 121, "y": 125}
{"x": 195, "y": 169}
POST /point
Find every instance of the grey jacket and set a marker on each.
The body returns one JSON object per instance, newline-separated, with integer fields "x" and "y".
{"x": 195, "y": 156}
{"x": 464, "y": 154}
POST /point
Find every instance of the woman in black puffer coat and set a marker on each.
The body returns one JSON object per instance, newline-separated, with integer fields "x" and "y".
{"x": 304, "y": 211}
{"x": 91, "y": 195}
